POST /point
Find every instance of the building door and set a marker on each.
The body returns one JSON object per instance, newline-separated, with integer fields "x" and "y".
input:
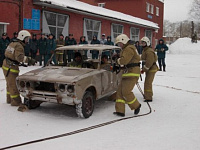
{"x": 55, "y": 23}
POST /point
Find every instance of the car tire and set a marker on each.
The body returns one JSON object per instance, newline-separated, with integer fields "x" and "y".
{"x": 31, "y": 104}
{"x": 86, "y": 107}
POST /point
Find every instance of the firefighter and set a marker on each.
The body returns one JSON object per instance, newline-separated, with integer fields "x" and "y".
{"x": 14, "y": 55}
{"x": 130, "y": 58}
{"x": 149, "y": 66}
{"x": 78, "y": 61}
{"x": 59, "y": 54}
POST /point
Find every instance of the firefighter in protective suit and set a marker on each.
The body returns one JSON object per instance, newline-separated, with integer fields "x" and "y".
{"x": 149, "y": 66}
{"x": 130, "y": 59}
{"x": 14, "y": 56}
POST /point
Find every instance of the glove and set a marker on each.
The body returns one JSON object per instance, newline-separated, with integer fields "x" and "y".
{"x": 31, "y": 61}
{"x": 142, "y": 71}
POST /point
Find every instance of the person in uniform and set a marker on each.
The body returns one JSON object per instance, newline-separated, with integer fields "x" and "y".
{"x": 130, "y": 58}
{"x": 3, "y": 45}
{"x": 51, "y": 46}
{"x": 70, "y": 41}
{"x": 161, "y": 49}
{"x": 149, "y": 66}
{"x": 42, "y": 46}
{"x": 33, "y": 46}
{"x": 78, "y": 61}
{"x": 15, "y": 34}
{"x": 59, "y": 54}
{"x": 14, "y": 55}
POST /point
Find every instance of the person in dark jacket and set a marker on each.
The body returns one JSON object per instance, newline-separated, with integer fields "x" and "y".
{"x": 3, "y": 45}
{"x": 51, "y": 46}
{"x": 161, "y": 49}
{"x": 33, "y": 46}
{"x": 42, "y": 46}
{"x": 139, "y": 47}
{"x": 70, "y": 41}
{"x": 108, "y": 42}
{"x": 15, "y": 34}
{"x": 83, "y": 53}
{"x": 95, "y": 53}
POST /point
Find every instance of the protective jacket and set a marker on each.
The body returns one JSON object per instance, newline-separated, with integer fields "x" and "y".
{"x": 149, "y": 59}
{"x": 161, "y": 49}
{"x": 130, "y": 56}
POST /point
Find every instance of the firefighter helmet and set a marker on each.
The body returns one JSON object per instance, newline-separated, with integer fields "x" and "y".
{"x": 23, "y": 34}
{"x": 122, "y": 38}
{"x": 146, "y": 39}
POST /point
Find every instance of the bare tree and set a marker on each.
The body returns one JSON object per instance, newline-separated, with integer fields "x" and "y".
{"x": 194, "y": 11}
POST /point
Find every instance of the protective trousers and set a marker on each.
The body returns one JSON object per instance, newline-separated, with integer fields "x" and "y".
{"x": 125, "y": 95}
{"x": 13, "y": 95}
{"x": 59, "y": 57}
{"x": 148, "y": 90}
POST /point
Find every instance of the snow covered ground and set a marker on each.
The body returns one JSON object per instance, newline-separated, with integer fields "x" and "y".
{"x": 174, "y": 123}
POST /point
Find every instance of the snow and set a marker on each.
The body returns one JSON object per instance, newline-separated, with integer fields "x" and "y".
{"x": 101, "y": 12}
{"x": 173, "y": 124}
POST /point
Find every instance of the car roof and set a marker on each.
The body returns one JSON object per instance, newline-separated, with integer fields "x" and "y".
{"x": 99, "y": 47}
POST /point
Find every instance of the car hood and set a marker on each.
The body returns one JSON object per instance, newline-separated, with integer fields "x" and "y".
{"x": 55, "y": 74}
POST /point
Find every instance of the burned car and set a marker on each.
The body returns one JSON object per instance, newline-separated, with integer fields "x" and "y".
{"x": 78, "y": 86}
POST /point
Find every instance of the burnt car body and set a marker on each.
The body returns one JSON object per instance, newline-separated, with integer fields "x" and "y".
{"x": 71, "y": 85}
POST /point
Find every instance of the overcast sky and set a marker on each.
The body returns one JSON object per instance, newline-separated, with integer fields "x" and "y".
{"x": 176, "y": 10}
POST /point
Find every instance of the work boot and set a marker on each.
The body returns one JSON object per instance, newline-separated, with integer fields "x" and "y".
{"x": 137, "y": 110}
{"x": 119, "y": 114}
{"x": 160, "y": 68}
{"x": 15, "y": 102}
{"x": 22, "y": 108}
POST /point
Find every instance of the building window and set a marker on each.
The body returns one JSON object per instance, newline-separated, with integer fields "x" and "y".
{"x": 116, "y": 29}
{"x": 148, "y": 33}
{"x": 157, "y": 11}
{"x": 147, "y": 7}
{"x": 152, "y": 9}
{"x": 91, "y": 28}
{"x": 135, "y": 32}
{"x": 55, "y": 23}
{"x": 101, "y": 5}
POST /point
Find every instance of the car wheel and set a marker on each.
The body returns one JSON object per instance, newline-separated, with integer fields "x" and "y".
{"x": 86, "y": 107}
{"x": 31, "y": 104}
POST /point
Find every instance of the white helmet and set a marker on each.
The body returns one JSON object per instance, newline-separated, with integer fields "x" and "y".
{"x": 122, "y": 38}
{"x": 146, "y": 39}
{"x": 23, "y": 34}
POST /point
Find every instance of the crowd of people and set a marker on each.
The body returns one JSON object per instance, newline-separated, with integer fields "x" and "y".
{"x": 24, "y": 48}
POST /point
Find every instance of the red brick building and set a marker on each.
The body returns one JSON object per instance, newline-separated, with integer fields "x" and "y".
{"x": 88, "y": 19}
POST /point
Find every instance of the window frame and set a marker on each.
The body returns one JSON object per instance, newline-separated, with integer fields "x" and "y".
{"x": 147, "y": 31}
{"x": 85, "y": 30}
{"x": 151, "y": 8}
{"x": 136, "y": 36}
{"x": 116, "y": 33}
{"x": 46, "y": 26}
{"x": 147, "y": 7}
{"x": 157, "y": 11}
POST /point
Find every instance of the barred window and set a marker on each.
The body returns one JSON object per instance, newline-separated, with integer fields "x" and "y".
{"x": 55, "y": 23}
{"x": 91, "y": 28}
{"x": 135, "y": 34}
{"x": 116, "y": 29}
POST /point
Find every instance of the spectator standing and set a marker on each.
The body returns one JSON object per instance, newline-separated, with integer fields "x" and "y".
{"x": 94, "y": 52}
{"x": 139, "y": 47}
{"x": 108, "y": 42}
{"x": 83, "y": 53}
{"x": 3, "y": 45}
{"x": 51, "y": 46}
{"x": 33, "y": 46}
{"x": 161, "y": 49}
{"x": 42, "y": 46}
{"x": 15, "y": 34}
{"x": 70, "y": 41}
{"x": 103, "y": 39}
